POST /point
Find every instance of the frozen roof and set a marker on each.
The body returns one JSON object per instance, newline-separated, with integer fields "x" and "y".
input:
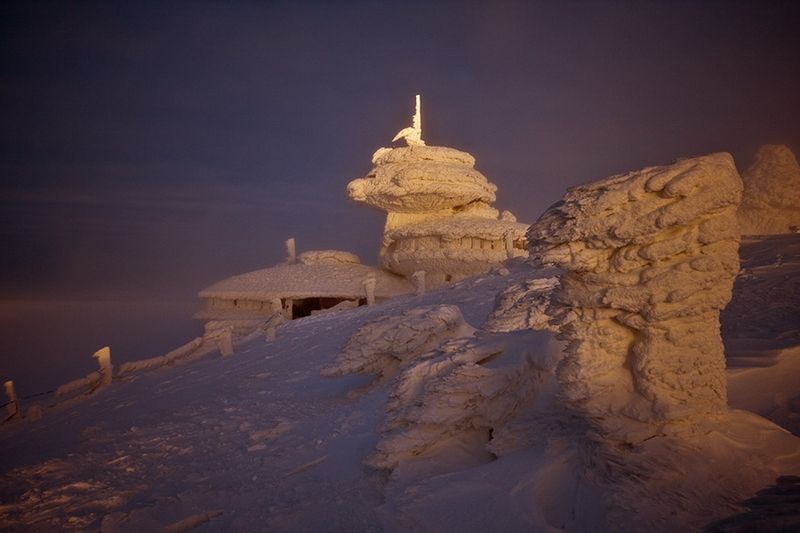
{"x": 315, "y": 280}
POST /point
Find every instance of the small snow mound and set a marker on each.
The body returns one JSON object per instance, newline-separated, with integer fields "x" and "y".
{"x": 328, "y": 257}
{"x": 380, "y": 345}
{"x": 771, "y": 201}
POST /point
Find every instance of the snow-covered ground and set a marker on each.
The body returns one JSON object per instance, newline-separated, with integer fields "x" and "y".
{"x": 263, "y": 441}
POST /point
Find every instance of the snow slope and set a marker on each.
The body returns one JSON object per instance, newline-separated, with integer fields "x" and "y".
{"x": 261, "y": 441}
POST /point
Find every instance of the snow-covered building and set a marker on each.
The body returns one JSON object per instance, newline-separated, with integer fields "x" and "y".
{"x": 440, "y": 218}
{"x": 440, "y": 227}
{"x": 317, "y": 280}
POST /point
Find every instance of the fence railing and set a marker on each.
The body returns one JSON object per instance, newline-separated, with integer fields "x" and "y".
{"x": 220, "y": 339}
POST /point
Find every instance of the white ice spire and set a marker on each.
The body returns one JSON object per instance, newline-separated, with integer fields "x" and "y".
{"x": 413, "y": 135}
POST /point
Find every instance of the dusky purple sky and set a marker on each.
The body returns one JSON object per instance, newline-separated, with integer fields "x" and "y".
{"x": 149, "y": 150}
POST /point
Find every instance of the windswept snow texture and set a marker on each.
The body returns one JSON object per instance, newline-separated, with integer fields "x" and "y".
{"x": 761, "y": 330}
{"x": 771, "y": 201}
{"x": 379, "y": 346}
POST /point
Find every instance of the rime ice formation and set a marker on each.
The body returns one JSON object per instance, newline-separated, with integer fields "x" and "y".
{"x": 452, "y": 388}
{"x": 524, "y": 306}
{"x": 439, "y": 215}
{"x": 461, "y": 395}
{"x": 379, "y": 346}
{"x": 771, "y": 199}
{"x": 413, "y": 135}
{"x": 630, "y": 422}
{"x": 650, "y": 258}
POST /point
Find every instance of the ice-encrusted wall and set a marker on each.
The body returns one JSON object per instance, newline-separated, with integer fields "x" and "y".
{"x": 649, "y": 260}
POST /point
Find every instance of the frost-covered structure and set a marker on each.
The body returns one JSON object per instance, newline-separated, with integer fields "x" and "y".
{"x": 625, "y": 426}
{"x": 650, "y": 258}
{"x": 316, "y": 280}
{"x": 439, "y": 214}
{"x": 771, "y": 200}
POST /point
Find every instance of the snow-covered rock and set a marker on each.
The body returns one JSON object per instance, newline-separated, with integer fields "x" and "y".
{"x": 460, "y": 397}
{"x": 524, "y": 306}
{"x": 650, "y": 258}
{"x": 379, "y": 346}
{"x": 771, "y": 200}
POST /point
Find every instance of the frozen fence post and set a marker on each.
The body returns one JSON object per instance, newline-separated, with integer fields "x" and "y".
{"x": 509, "y": 241}
{"x": 103, "y": 356}
{"x": 224, "y": 341}
{"x": 419, "y": 281}
{"x": 13, "y": 408}
{"x": 291, "y": 253}
{"x": 369, "y": 289}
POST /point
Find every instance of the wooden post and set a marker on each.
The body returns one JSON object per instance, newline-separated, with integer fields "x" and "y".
{"x": 271, "y": 333}
{"x": 288, "y": 309}
{"x": 369, "y": 289}
{"x": 509, "y": 241}
{"x": 13, "y": 408}
{"x": 225, "y": 342}
{"x": 103, "y": 356}
{"x": 419, "y": 281}
{"x": 291, "y": 252}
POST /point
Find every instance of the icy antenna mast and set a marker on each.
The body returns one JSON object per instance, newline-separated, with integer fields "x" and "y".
{"x": 413, "y": 135}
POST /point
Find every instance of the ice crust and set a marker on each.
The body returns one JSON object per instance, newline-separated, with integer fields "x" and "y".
{"x": 771, "y": 200}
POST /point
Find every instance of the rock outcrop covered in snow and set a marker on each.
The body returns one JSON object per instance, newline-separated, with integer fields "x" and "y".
{"x": 650, "y": 258}
{"x": 440, "y": 219}
{"x": 454, "y": 393}
{"x": 459, "y": 397}
{"x": 771, "y": 200}
{"x": 379, "y": 347}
